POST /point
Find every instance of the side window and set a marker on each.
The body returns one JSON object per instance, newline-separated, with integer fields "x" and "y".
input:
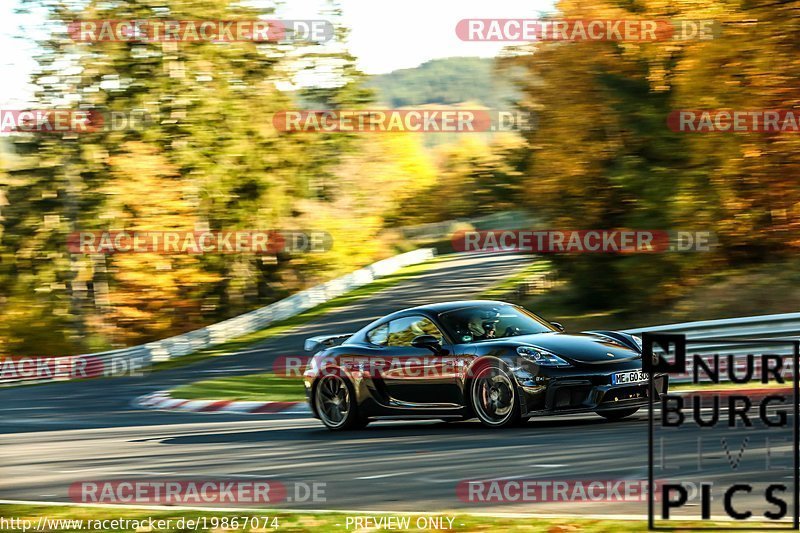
{"x": 403, "y": 330}
{"x": 379, "y": 335}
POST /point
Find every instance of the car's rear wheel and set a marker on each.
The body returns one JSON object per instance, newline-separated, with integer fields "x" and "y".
{"x": 335, "y": 402}
{"x": 618, "y": 414}
{"x": 494, "y": 397}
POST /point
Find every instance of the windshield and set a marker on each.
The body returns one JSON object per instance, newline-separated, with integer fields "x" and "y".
{"x": 482, "y": 322}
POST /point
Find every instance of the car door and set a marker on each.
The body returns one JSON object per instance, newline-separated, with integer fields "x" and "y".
{"x": 416, "y": 375}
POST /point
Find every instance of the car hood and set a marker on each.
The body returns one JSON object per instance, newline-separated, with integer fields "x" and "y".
{"x": 581, "y": 348}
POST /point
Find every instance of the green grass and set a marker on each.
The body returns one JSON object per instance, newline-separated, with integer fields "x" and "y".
{"x": 254, "y": 387}
{"x": 271, "y": 388}
{"x": 277, "y": 328}
{"x": 730, "y": 386}
{"x": 327, "y": 521}
{"x": 510, "y": 284}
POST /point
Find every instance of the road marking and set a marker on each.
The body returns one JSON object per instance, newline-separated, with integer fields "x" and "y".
{"x": 506, "y": 478}
{"x": 257, "y": 476}
{"x": 379, "y": 476}
{"x": 548, "y": 466}
{"x": 435, "y": 480}
{"x": 125, "y": 472}
{"x": 458, "y": 479}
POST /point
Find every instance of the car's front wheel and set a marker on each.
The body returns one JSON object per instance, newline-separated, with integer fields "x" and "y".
{"x": 335, "y": 402}
{"x": 494, "y": 397}
{"x": 618, "y": 414}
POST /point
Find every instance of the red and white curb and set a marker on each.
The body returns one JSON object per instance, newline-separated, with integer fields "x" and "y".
{"x": 162, "y": 401}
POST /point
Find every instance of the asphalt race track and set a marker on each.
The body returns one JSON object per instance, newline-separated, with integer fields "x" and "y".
{"x": 55, "y": 435}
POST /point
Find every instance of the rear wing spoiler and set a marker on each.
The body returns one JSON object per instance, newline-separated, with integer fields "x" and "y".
{"x": 313, "y": 344}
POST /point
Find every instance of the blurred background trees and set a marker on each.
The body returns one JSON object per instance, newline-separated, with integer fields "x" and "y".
{"x": 602, "y": 156}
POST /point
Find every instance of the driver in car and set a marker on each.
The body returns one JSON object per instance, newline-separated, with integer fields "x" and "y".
{"x": 481, "y": 326}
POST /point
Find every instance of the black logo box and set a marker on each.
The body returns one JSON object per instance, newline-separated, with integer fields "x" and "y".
{"x": 679, "y": 344}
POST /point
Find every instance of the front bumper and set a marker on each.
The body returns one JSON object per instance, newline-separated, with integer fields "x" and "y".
{"x": 593, "y": 393}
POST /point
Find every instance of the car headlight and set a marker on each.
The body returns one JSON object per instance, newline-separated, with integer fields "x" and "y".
{"x": 638, "y": 341}
{"x": 541, "y": 357}
{"x": 312, "y": 365}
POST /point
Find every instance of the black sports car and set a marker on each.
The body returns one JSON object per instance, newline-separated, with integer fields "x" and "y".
{"x": 491, "y": 360}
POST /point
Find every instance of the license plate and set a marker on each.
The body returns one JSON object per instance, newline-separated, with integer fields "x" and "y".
{"x": 632, "y": 376}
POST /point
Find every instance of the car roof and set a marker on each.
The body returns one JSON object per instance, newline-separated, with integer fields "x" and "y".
{"x": 430, "y": 310}
{"x": 448, "y": 306}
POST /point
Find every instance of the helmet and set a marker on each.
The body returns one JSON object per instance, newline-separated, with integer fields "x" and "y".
{"x": 482, "y": 320}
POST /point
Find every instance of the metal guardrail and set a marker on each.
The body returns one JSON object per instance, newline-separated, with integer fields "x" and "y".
{"x": 780, "y": 326}
{"x": 444, "y": 230}
{"x": 127, "y": 361}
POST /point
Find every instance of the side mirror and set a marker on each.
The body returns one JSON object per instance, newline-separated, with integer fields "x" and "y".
{"x": 427, "y": 341}
{"x": 558, "y": 326}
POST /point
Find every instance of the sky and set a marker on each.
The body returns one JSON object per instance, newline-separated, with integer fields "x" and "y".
{"x": 385, "y": 35}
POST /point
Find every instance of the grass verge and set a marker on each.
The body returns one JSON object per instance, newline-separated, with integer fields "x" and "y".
{"x": 255, "y": 387}
{"x": 510, "y": 284}
{"x": 270, "y": 388}
{"x": 731, "y": 386}
{"x": 323, "y": 521}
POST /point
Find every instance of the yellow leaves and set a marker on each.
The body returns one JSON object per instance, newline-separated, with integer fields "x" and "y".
{"x": 147, "y": 194}
{"x": 139, "y": 160}
{"x": 388, "y": 169}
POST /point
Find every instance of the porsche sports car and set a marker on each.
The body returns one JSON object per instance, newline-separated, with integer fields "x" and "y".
{"x": 459, "y": 360}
